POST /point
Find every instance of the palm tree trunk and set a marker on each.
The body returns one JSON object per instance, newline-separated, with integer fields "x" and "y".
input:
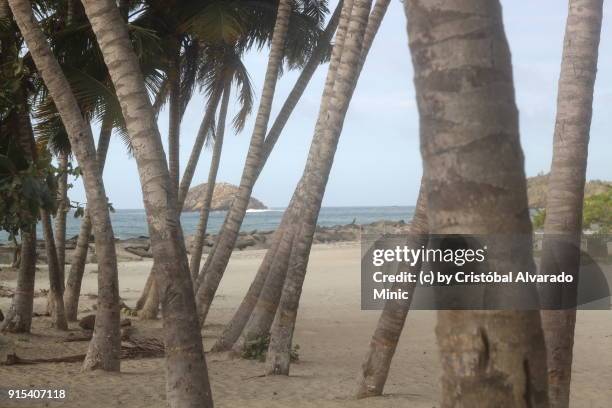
{"x": 563, "y": 225}
{"x": 62, "y": 211}
{"x": 360, "y": 35}
{"x": 318, "y": 166}
{"x": 104, "y": 347}
{"x": 187, "y": 382}
{"x": 58, "y": 316}
{"x": 79, "y": 257}
{"x": 475, "y": 181}
{"x": 198, "y": 145}
{"x": 377, "y": 364}
{"x": 200, "y": 235}
{"x": 174, "y": 126}
{"x": 235, "y": 327}
{"x": 226, "y": 239}
{"x": 300, "y": 85}
{"x": 19, "y": 317}
{"x": 274, "y": 268}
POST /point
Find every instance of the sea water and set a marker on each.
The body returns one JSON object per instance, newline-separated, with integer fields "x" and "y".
{"x": 132, "y": 223}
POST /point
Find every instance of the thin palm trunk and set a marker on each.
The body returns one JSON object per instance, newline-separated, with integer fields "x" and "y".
{"x": 200, "y": 235}
{"x": 375, "y": 368}
{"x": 104, "y": 347}
{"x": 475, "y": 183}
{"x": 217, "y": 261}
{"x": 174, "y": 126}
{"x": 62, "y": 211}
{"x": 203, "y": 133}
{"x": 318, "y": 166}
{"x": 58, "y": 316}
{"x": 187, "y": 383}
{"x": 79, "y": 257}
{"x": 272, "y": 137}
{"x": 564, "y": 202}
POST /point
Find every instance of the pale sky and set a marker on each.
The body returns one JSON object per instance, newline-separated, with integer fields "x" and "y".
{"x": 378, "y": 161}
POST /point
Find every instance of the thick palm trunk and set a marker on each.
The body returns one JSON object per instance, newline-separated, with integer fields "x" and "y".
{"x": 62, "y": 211}
{"x": 150, "y": 307}
{"x": 217, "y": 261}
{"x": 200, "y": 235}
{"x": 19, "y": 317}
{"x": 187, "y": 382}
{"x": 563, "y": 225}
{"x": 377, "y": 364}
{"x": 105, "y": 345}
{"x": 475, "y": 183}
{"x": 79, "y": 257}
{"x": 361, "y": 32}
{"x": 58, "y": 316}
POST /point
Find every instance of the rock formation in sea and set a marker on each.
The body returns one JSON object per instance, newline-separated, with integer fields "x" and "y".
{"x": 222, "y": 198}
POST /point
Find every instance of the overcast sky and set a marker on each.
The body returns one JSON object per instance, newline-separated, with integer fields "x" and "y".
{"x": 378, "y": 161}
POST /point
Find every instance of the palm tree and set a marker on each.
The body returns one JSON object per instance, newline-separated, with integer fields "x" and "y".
{"x": 105, "y": 345}
{"x": 254, "y": 317}
{"x": 475, "y": 183}
{"x": 334, "y": 106}
{"x": 563, "y": 225}
{"x": 186, "y": 372}
{"x": 377, "y": 364}
{"x": 236, "y": 213}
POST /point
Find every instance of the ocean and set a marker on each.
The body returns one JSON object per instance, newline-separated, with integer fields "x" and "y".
{"x": 132, "y": 223}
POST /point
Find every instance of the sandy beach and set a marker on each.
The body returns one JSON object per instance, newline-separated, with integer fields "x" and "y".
{"x": 332, "y": 332}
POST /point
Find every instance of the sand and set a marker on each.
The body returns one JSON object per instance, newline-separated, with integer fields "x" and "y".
{"x": 332, "y": 331}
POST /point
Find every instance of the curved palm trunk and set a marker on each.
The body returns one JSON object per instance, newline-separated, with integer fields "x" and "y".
{"x": 58, "y": 316}
{"x": 377, "y": 364}
{"x": 62, "y": 211}
{"x": 361, "y": 32}
{"x": 563, "y": 225}
{"x": 79, "y": 257}
{"x": 104, "y": 347}
{"x": 217, "y": 261}
{"x": 198, "y": 243}
{"x": 187, "y": 382}
{"x": 474, "y": 173}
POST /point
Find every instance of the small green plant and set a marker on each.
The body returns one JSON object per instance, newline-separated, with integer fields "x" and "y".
{"x": 257, "y": 349}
